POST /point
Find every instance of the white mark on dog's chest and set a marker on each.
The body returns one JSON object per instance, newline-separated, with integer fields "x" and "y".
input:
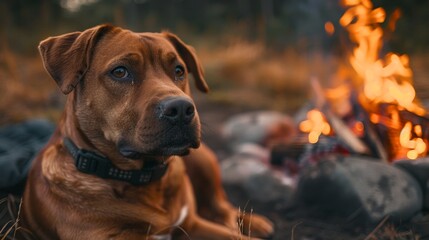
{"x": 183, "y": 214}
{"x": 161, "y": 237}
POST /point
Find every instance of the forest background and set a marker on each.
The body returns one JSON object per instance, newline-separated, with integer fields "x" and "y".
{"x": 266, "y": 49}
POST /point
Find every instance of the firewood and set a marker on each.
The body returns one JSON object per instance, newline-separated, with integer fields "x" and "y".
{"x": 340, "y": 128}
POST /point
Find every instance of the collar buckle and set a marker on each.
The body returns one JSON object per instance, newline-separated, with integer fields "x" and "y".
{"x": 88, "y": 162}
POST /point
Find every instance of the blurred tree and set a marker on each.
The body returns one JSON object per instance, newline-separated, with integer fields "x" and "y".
{"x": 277, "y": 23}
{"x": 25, "y": 22}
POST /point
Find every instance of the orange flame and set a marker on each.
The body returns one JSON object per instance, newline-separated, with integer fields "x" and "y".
{"x": 387, "y": 80}
{"x": 415, "y": 145}
{"x": 315, "y": 125}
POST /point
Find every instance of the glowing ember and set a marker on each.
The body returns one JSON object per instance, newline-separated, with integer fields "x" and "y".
{"x": 358, "y": 128}
{"x": 387, "y": 80}
{"x": 315, "y": 125}
{"x": 329, "y": 28}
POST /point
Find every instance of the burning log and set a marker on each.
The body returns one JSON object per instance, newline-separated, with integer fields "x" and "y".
{"x": 406, "y": 132}
{"x": 370, "y": 135}
{"x": 340, "y": 128}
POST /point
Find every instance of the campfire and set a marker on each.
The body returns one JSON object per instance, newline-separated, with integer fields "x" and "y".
{"x": 379, "y": 114}
{"x": 345, "y": 158}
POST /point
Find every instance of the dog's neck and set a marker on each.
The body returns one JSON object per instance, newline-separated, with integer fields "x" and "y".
{"x": 92, "y": 163}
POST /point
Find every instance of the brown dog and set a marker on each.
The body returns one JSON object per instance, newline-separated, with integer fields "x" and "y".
{"x": 112, "y": 169}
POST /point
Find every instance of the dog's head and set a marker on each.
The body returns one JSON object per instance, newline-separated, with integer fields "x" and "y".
{"x": 128, "y": 89}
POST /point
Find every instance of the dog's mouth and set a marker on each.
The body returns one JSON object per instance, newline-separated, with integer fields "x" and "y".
{"x": 160, "y": 140}
{"x": 179, "y": 150}
{"x": 167, "y": 144}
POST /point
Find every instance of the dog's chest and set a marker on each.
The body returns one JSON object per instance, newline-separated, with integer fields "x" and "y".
{"x": 182, "y": 216}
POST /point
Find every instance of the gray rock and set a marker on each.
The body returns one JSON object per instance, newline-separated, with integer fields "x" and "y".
{"x": 19, "y": 143}
{"x": 359, "y": 189}
{"x": 419, "y": 169}
{"x": 240, "y": 167}
{"x": 263, "y": 128}
{"x": 247, "y": 179}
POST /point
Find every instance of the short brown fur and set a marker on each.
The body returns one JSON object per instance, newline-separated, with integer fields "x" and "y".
{"x": 62, "y": 203}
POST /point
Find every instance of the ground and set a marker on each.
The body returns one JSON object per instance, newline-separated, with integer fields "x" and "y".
{"x": 290, "y": 223}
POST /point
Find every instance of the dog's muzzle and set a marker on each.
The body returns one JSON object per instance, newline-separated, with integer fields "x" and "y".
{"x": 178, "y": 131}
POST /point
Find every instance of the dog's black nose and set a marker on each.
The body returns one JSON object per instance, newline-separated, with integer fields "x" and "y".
{"x": 177, "y": 110}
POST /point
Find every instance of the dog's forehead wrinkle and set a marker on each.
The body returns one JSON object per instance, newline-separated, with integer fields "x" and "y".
{"x": 150, "y": 38}
{"x": 158, "y": 48}
{"x": 170, "y": 57}
{"x": 130, "y": 58}
{"x": 130, "y": 55}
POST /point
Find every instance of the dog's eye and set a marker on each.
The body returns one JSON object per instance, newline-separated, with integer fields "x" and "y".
{"x": 179, "y": 72}
{"x": 120, "y": 73}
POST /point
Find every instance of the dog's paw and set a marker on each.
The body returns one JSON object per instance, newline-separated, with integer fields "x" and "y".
{"x": 257, "y": 226}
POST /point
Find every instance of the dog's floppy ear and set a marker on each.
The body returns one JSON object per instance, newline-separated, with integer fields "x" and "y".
{"x": 67, "y": 57}
{"x": 193, "y": 64}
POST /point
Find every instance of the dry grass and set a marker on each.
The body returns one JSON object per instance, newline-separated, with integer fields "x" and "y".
{"x": 241, "y": 224}
{"x": 249, "y": 74}
{"x": 310, "y": 229}
{"x": 11, "y": 210}
{"x": 390, "y": 232}
{"x": 246, "y": 73}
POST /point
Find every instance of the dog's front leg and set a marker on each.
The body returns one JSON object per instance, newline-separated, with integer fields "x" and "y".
{"x": 205, "y": 230}
{"x": 195, "y": 227}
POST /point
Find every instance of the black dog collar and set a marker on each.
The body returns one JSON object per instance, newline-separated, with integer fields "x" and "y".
{"x": 92, "y": 163}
